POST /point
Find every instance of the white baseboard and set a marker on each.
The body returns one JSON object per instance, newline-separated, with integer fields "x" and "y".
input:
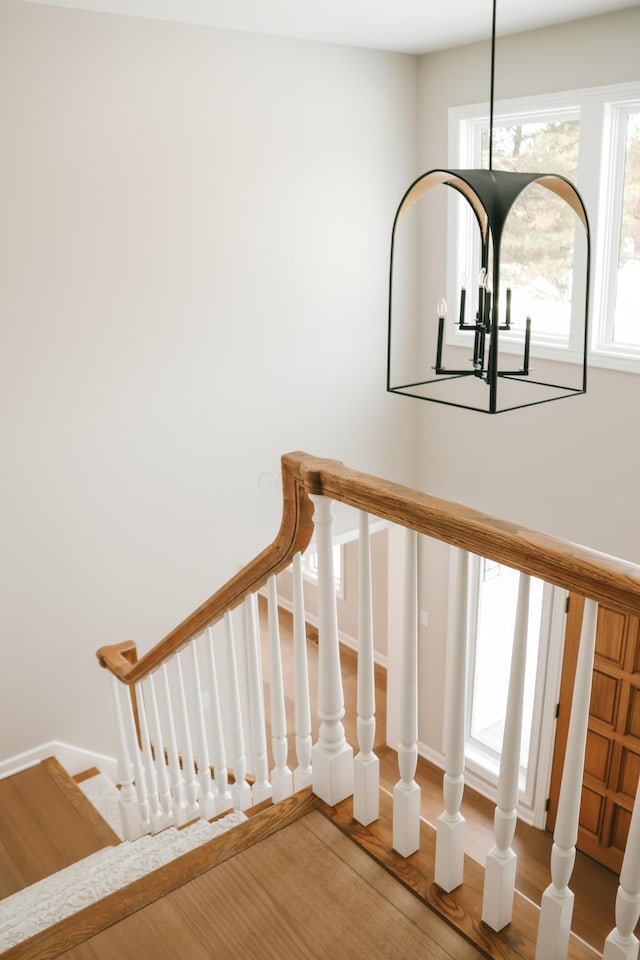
{"x": 73, "y": 759}
{"x": 433, "y": 756}
{"x": 478, "y": 780}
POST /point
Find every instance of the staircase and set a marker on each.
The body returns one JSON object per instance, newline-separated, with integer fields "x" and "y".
{"x": 194, "y": 741}
{"x": 291, "y": 876}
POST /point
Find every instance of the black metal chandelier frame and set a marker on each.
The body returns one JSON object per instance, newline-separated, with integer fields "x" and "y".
{"x": 491, "y": 195}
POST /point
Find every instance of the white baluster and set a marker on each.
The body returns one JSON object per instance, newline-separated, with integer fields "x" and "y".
{"x": 451, "y": 826}
{"x": 223, "y": 798}
{"x": 332, "y": 755}
{"x": 207, "y": 799}
{"x": 164, "y": 789}
{"x": 261, "y": 789}
{"x": 366, "y": 766}
{"x": 149, "y": 767}
{"x": 500, "y": 873}
{"x": 128, "y": 797}
{"x": 556, "y": 908}
{"x": 240, "y": 791}
{"x": 188, "y": 762}
{"x": 302, "y": 773}
{"x": 178, "y": 795}
{"x": 621, "y": 944}
{"x": 136, "y": 756}
{"x": 281, "y": 776}
{"x": 406, "y": 793}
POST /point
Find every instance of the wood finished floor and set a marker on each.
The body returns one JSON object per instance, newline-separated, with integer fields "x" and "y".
{"x": 595, "y": 887}
{"x": 323, "y": 899}
{"x": 46, "y": 823}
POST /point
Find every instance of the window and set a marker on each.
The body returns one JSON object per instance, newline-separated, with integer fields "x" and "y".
{"x": 620, "y": 247}
{"x": 593, "y": 138}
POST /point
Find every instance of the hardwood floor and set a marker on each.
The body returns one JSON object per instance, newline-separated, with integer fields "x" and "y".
{"x": 46, "y": 823}
{"x": 594, "y": 914}
{"x": 303, "y": 892}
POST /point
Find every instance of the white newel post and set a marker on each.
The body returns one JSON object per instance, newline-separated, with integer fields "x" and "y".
{"x": 164, "y": 787}
{"x": 188, "y": 762}
{"x": 149, "y": 767}
{"x": 302, "y": 772}
{"x": 621, "y": 944}
{"x": 207, "y": 799}
{"x": 281, "y": 776}
{"x": 500, "y": 873}
{"x": 406, "y": 793}
{"x": 332, "y": 755}
{"x": 128, "y": 798}
{"x": 240, "y": 791}
{"x": 261, "y": 789}
{"x": 223, "y": 797}
{"x": 451, "y": 826}
{"x": 366, "y": 766}
{"x": 557, "y": 901}
{"x": 180, "y": 812}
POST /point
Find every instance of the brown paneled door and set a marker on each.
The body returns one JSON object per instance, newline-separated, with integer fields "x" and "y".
{"x": 612, "y": 763}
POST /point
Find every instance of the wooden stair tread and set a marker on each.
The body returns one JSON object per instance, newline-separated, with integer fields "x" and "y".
{"x": 46, "y": 823}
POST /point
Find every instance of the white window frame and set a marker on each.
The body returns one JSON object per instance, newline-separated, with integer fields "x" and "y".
{"x": 602, "y": 112}
{"x": 616, "y": 113}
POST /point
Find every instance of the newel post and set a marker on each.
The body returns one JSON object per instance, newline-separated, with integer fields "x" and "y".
{"x": 332, "y": 757}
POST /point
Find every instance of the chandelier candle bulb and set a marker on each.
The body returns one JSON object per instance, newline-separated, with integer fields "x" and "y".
{"x": 442, "y": 312}
{"x": 482, "y": 289}
{"x": 527, "y": 345}
{"x": 463, "y": 297}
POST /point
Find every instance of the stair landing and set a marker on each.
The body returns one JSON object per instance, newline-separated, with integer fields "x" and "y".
{"x": 304, "y": 891}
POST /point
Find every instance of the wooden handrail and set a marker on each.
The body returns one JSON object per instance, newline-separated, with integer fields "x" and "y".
{"x": 612, "y": 582}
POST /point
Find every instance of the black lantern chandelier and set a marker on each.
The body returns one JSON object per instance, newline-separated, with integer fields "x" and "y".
{"x": 488, "y": 380}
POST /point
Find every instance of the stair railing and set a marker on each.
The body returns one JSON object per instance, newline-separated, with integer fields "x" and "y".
{"x": 166, "y": 776}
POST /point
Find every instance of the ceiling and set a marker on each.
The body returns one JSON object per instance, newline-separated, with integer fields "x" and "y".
{"x": 410, "y": 26}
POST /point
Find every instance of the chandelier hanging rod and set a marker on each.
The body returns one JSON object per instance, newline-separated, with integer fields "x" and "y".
{"x": 492, "y": 84}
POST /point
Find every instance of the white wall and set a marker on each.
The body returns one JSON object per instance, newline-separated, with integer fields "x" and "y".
{"x": 569, "y": 468}
{"x": 194, "y": 260}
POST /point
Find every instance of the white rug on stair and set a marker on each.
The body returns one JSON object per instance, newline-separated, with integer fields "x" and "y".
{"x": 39, "y": 906}
{"x": 104, "y": 795}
